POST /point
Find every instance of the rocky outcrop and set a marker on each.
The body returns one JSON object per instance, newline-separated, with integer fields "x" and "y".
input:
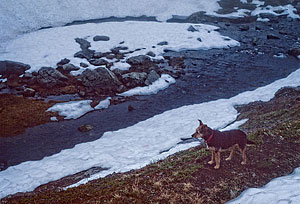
{"x": 100, "y": 79}
{"x": 49, "y": 77}
{"x": 11, "y": 69}
{"x": 134, "y": 79}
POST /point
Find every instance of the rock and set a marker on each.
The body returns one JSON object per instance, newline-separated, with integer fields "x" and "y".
{"x": 152, "y": 77}
{"x": 98, "y": 55}
{"x": 63, "y": 62}
{"x": 134, "y": 79}
{"x": 98, "y": 62}
{"x": 69, "y": 67}
{"x": 84, "y": 44}
{"x": 116, "y": 50}
{"x": 271, "y": 36}
{"x": 163, "y": 43}
{"x": 100, "y": 79}
{"x": 101, "y": 38}
{"x": 84, "y": 65}
{"x": 85, "y": 51}
{"x": 151, "y": 54}
{"x": 85, "y": 128}
{"x": 49, "y": 77}
{"x": 2, "y": 85}
{"x": 130, "y": 108}
{"x": 28, "y": 92}
{"x": 294, "y": 50}
{"x": 192, "y": 29}
{"x": 11, "y": 69}
{"x": 244, "y": 28}
{"x": 199, "y": 39}
{"x": 136, "y": 60}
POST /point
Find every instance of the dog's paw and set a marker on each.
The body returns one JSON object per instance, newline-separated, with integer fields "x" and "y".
{"x": 210, "y": 162}
{"x": 217, "y": 167}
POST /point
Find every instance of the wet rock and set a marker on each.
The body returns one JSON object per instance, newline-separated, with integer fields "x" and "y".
{"x": 98, "y": 62}
{"x": 130, "y": 108}
{"x": 136, "y": 60}
{"x": 294, "y": 50}
{"x": 272, "y": 36}
{"x": 11, "y": 69}
{"x": 244, "y": 28}
{"x": 134, "y": 79}
{"x": 100, "y": 79}
{"x": 101, "y": 38}
{"x": 49, "y": 77}
{"x": 152, "y": 77}
{"x": 28, "y": 92}
{"x": 63, "y": 62}
{"x": 163, "y": 43}
{"x": 85, "y": 128}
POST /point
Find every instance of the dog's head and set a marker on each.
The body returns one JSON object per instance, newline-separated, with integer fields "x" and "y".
{"x": 201, "y": 131}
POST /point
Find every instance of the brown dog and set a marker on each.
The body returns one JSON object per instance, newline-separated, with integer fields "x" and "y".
{"x": 218, "y": 141}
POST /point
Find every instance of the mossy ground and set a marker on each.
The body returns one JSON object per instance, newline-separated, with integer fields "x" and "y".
{"x": 186, "y": 177}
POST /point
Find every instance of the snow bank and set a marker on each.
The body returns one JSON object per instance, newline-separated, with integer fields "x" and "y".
{"x": 21, "y": 16}
{"x": 135, "y": 146}
{"x": 47, "y": 47}
{"x": 162, "y": 83}
{"x": 76, "y": 109}
{"x": 285, "y": 189}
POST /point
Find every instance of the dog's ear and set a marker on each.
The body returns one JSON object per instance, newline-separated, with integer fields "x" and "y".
{"x": 200, "y": 122}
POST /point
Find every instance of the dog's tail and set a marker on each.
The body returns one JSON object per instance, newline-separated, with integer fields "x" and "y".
{"x": 250, "y": 142}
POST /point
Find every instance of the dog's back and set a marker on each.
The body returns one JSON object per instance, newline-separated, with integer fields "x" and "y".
{"x": 228, "y": 138}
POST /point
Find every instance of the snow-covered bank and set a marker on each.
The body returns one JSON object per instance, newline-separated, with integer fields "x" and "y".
{"x": 285, "y": 189}
{"x": 21, "y": 16}
{"x": 136, "y": 146}
{"x": 49, "y": 46}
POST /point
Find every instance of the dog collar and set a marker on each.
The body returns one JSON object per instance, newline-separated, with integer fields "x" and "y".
{"x": 210, "y": 137}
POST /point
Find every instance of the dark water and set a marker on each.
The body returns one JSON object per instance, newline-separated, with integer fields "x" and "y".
{"x": 209, "y": 75}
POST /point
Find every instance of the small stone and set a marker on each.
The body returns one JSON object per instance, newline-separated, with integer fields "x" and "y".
{"x": 151, "y": 54}
{"x": 163, "y": 43}
{"x": 101, "y": 38}
{"x": 271, "y": 36}
{"x": 244, "y": 28}
{"x": 63, "y": 62}
{"x": 85, "y": 128}
{"x": 130, "y": 108}
{"x": 29, "y": 92}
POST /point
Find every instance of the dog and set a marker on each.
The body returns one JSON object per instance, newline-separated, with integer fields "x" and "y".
{"x": 218, "y": 141}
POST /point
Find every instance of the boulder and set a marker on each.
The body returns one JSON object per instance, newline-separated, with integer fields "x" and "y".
{"x": 49, "y": 77}
{"x": 152, "y": 77}
{"x": 100, "y": 79}
{"x": 134, "y": 79}
{"x": 136, "y": 60}
{"x": 11, "y": 69}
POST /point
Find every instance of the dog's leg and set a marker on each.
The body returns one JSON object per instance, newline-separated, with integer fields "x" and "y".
{"x": 231, "y": 153}
{"x": 244, "y": 158}
{"x": 218, "y": 158}
{"x": 212, "y": 160}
